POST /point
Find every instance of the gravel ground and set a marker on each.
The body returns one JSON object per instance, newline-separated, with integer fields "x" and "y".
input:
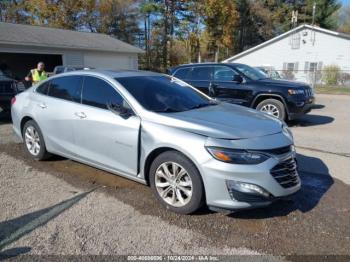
{"x": 63, "y": 207}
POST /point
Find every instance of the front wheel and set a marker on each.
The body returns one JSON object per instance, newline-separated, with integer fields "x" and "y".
{"x": 272, "y": 107}
{"x": 34, "y": 141}
{"x": 177, "y": 183}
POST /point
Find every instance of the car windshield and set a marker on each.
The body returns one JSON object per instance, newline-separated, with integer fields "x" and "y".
{"x": 250, "y": 72}
{"x": 164, "y": 93}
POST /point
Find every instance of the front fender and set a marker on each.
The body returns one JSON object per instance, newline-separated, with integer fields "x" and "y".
{"x": 155, "y": 136}
{"x": 270, "y": 95}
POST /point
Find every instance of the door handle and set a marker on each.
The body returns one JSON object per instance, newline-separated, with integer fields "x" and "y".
{"x": 42, "y": 105}
{"x": 80, "y": 114}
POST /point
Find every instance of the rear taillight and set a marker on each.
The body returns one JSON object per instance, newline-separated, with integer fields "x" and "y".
{"x": 13, "y": 100}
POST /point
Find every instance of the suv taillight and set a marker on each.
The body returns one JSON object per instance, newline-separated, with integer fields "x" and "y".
{"x": 13, "y": 100}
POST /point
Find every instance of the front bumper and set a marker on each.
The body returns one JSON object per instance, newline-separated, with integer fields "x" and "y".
{"x": 297, "y": 108}
{"x": 218, "y": 173}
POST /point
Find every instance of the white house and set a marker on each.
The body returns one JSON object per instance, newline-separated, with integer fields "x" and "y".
{"x": 300, "y": 52}
{"x": 22, "y": 46}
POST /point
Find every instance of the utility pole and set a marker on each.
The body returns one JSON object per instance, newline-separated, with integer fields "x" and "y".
{"x": 295, "y": 37}
{"x": 294, "y": 19}
{"x": 199, "y": 59}
{"x": 313, "y": 37}
{"x": 313, "y": 34}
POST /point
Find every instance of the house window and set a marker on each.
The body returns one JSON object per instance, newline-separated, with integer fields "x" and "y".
{"x": 312, "y": 66}
{"x": 295, "y": 41}
{"x": 290, "y": 66}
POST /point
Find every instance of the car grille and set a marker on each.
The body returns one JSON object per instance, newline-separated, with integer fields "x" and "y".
{"x": 278, "y": 151}
{"x": 6, "y": 87}
{"x": 308, "y": 92}
{"x": 286, "y": 174}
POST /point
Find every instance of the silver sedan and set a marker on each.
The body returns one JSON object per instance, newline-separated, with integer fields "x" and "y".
{"x": 158, "y": 130}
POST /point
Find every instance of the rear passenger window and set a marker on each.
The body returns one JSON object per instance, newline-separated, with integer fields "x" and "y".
{"x": 202, "y": 73}
{"x": 98, "y": 93}
{"x": 43, "y": 88}
{"x": 67, "y": 88}
{"x": 183, "y": 73}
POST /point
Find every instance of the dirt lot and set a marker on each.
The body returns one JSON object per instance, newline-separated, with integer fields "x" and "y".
{"x": 62, "y": 207}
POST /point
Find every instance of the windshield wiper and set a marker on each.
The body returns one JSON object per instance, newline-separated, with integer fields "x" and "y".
{"x": 203, "y": 105}
{"x": 167, "y": 110}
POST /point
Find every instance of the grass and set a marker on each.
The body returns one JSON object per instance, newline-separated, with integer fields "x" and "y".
{"x": 334, "y": 90}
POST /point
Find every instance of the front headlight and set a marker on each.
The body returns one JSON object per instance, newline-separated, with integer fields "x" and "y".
{"x": 296, "y": 92}
{"x": 237, "y": 156}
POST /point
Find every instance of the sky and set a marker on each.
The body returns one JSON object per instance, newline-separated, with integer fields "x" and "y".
{"x": 345, "y": 2}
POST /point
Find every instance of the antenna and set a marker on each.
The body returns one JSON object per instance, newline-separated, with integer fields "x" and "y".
{"x": 295, "y": 37}
{"x": 294, "y": 18}
{"x": 313, "y": 13}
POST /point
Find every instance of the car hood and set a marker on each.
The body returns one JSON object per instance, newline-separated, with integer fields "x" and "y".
{"x": 224, "y": 121}
{"x": 283, "y": 83}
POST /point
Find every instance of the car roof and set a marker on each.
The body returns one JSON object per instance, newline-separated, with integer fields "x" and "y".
{"x": 113, "y": 73}
{"x": 126, "y": 73}
{"x": 203, "y": 64}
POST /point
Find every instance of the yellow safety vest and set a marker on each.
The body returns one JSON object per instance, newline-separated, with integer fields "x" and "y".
{"x": 36, "y": 77}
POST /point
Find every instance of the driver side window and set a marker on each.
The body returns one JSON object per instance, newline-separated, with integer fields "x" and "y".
{"x": 98, "y": 93}
{"x": 224, "y": 73}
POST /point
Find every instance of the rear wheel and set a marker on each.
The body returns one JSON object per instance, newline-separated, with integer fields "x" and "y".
{"x": 34, "y": 141}
{"x": 176, "y": 183}
{"x": 272, "y": 107}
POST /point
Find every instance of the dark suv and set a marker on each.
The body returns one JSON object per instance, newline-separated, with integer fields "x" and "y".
{"x": 247, "y": 86}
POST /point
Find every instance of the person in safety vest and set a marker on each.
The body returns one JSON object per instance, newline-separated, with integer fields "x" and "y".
{"x": 38, "y": 74}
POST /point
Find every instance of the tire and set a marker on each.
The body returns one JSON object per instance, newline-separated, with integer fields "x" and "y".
{"x": 272, "y": 107}
{"x": 176, "y": 195}
{"x": 32, "y": 136}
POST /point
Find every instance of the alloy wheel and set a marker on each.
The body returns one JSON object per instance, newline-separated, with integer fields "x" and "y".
{"x": 32, "y": 140}
{"x": 271, "y": 110}
{"x": 173, "y": 184}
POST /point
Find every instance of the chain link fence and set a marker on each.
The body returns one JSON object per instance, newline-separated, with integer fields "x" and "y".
{"x": 328, "y": 77}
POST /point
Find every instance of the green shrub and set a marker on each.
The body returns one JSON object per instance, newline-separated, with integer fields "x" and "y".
{"x": 331, "y": 74}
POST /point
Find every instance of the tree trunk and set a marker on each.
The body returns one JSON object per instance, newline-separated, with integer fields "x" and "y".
{"x": 146, "y": 43}
{"x": 165, "y": 35}
{"x": 172, "y": 22}
{"x": 217, "y": 55}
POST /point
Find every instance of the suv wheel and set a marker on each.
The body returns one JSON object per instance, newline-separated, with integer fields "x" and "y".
{"x": 272, "y": 107}
{"x": 34, "y": 141}
{"x": 176, "y": 183}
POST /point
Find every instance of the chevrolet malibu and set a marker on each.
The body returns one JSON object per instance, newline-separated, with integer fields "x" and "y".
{"x": 158, "y": 130}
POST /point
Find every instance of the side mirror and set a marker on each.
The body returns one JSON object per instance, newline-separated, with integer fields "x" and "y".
{"x": 120, "y": 110}
{"x": 237, "y": 78}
